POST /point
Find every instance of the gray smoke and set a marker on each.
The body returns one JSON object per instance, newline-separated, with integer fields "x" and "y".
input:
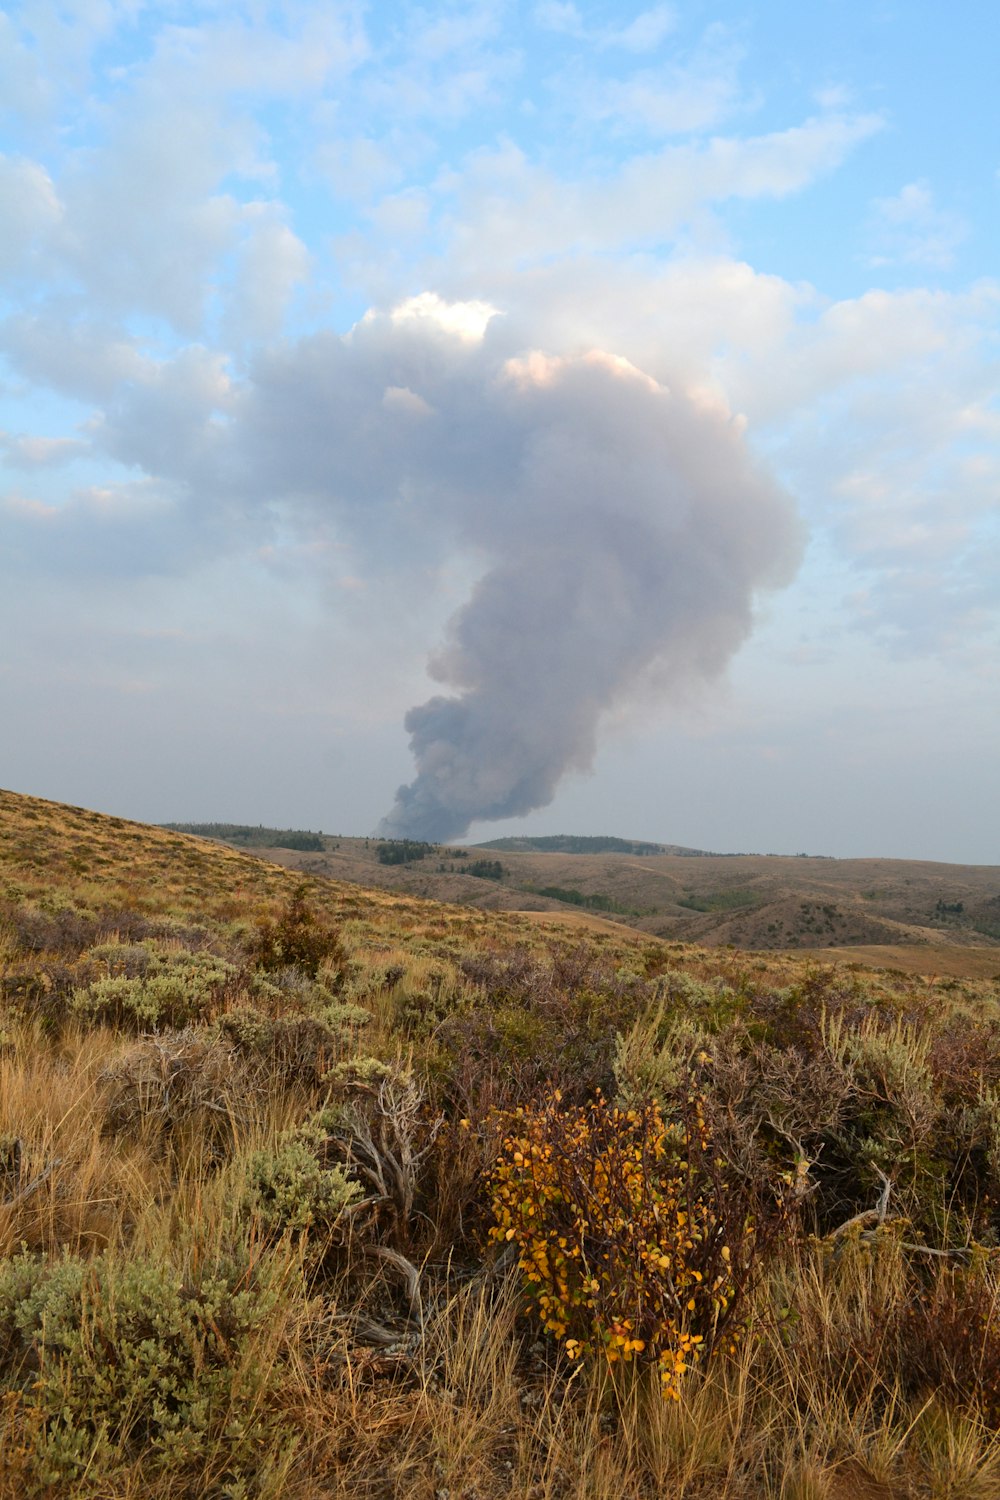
{"x": 634, "y": 533}
{"x": 623, "y": 528}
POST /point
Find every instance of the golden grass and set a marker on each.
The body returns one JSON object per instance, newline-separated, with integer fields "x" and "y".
{"x": 474, "y": 1418}
{"x": 473, "y": 1405}
{"x": 945, "y": 960}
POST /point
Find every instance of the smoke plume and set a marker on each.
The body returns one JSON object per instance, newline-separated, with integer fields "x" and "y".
{"x": 631, "y": 533}
{"x": 622, "y": 527}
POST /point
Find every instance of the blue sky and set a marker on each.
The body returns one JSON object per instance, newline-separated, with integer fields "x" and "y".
{"x": 618, "y": 383}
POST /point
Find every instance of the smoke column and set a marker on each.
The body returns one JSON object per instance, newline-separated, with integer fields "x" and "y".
{"x": 633, "y": 534}
{"x": 623, "y": 527}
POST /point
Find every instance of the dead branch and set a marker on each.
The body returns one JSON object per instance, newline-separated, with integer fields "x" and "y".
{"x": 27, "y": 1192}
{"x": 410, "y": 1275}
{"x": 867, "y": 1215}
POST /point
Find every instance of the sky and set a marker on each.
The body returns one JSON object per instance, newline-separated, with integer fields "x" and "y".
{"x": 495, "y": 418}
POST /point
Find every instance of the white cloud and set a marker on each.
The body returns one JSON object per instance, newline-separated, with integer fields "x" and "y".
{"x": 126, "y": 529}
{"x": 676, "y": 98}
{"x": 444, "y": 67}
{"x": 441, "y": 37}
{"x": 559, "y": 15}
{"x": 88, "y": 360}
{"x": 467, "y": 320}
{"x": 404, "y": 215}
{"x": 23, "y": 451}
{"x": 401, "y": 398}
{"x": 298, "y": 53}
{"x": 512, "y": 213}
{"x": 145, "y": 221}
{"x": 909, "y": 227}
{"x": 172, "y": 421}
{"x": 29, "y": 211}
{"x": 22, "y": 87}
{"x": 147, "y": 209}
{"x": 272, "y": 263}
{"x": 645, "y": 32}
{"x": 881, "y": 413}
{"x": 357, "y": 167}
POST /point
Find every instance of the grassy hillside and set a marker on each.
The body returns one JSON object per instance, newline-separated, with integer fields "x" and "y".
{"x": 765, "y": 902}
{"x": 252, "y": 836}
{"x": 310, "y": 1188}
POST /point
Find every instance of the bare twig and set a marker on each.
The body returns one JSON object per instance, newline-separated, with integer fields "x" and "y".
{"x": 930, "y": 1250}
{"x": 410, "y": 1275}
{"x": 867, "y": 1215}
{"x": 27, "y": 1192}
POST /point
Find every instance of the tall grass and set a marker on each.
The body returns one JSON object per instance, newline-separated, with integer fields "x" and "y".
{"x": 382, "y": 1347}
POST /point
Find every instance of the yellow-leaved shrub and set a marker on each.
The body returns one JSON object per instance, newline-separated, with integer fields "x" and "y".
{"x": 633, "y": 1242}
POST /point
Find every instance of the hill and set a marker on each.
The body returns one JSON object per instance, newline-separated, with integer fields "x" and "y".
{"x": 311, "y": 1188}
{"x": 571, "y": 843}
{"x": 249, "y": 836}
{"x": 917, "y": 914}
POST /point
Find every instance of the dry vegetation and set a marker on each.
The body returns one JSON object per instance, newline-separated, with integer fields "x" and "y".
{"x": 311, "y": 1190}
{"x": 917, "y": 915}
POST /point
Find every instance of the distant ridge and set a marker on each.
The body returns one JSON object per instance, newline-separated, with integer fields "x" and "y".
{"x": 572, "y": 843}
{"x": 249, "y": 836}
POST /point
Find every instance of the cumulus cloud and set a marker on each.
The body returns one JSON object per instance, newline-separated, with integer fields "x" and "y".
{"x": 272, "y": 263}
{"x": 644, "y": 33}
{"x": 145, "y": 221}
{"x": 682, "y": 100}
{"x": 560, "y": 16}
{"x": 450, "y": 62}
{"x": 80, "y": 357}
{"x": 509, "y": 213}
{"x": 153, "y": 197}
{"x": 29, "y": 211}
{"x": 136, "y": 529}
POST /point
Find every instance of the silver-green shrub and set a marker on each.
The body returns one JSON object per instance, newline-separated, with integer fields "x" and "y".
{"x": 290, "y": 1188}
{"x": 145, "y": 988}
{"x": 125, "y": 1361}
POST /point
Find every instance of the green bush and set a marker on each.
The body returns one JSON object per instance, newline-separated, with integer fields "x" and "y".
{"x": 127, "y": 1361}
{"x": 296, "y": 939}
{"x": 369, "y": 1147}
{"x": 145, "y": 988}
{"x": 299, "y": 1188}
{"x": 421, "y": 1002}
{"x": 291, "y": 1188}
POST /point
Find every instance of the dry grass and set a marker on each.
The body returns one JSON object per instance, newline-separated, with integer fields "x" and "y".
{"x": 67, "y": 1186}
{"x": 950, "y": 961}
{"x": 473, "y": 1412}
{"x": 425, "y": 1377}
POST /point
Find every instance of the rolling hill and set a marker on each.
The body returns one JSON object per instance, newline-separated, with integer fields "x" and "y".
{"x": 914, "y": 914}
{"x": 312, "y": 1188}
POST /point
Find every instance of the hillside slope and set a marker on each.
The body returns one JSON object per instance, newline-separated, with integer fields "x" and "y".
{"x": 761, "y": 902}
{"x": 310, "y": 1189}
